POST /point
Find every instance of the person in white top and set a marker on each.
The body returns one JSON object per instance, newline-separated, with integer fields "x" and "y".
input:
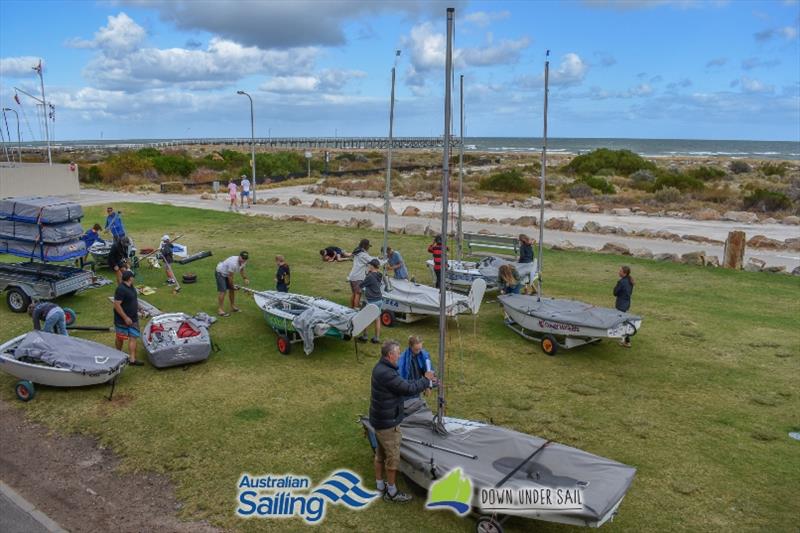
{"x": 357, "y": 274}
{"x": 246, "y": 191}
{"x": 224, "y": 276}
{"x": 232, "y": 194}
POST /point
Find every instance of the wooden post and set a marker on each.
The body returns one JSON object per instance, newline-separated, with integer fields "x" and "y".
{"x": 733, "y": 256}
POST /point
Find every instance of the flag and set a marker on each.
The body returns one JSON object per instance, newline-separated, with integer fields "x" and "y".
{"x": 16, "y": 99}
{"x": 38, "y": 68}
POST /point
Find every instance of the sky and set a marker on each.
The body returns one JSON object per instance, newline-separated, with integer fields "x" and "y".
{"x": 682, "y": 69}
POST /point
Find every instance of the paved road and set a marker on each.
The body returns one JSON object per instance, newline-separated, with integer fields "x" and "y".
{"x": 681, "y": 226}
{"x": 17, "y": 515}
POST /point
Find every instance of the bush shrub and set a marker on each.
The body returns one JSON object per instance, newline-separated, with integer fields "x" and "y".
{"x": 774, "y": 169}
{"x": 94, "y": 174}
{"x": 668, "y": 195}
{"x": 148, "y": 152}
{"x": 598, "y": 183}
{"x": 764, "y": 200}
{"x": 739, "y": 167}
{"x": 704, "y": 173}
{"x": 682, "y": 182}
{"x": 173, "y": 165}
{"x": 124, "y": 163}
{"x": 623, "y": 162}
{"x": 580, "y": 190}
{"x": 507, "y": 181}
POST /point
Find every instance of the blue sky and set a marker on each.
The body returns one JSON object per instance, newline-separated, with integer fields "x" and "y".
{"x": 626, "y": 68}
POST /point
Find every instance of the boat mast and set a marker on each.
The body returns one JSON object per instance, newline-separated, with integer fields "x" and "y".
{"x": 460, "y": 230}
{"x": 544, "y": 174}
{"x": 388, "y": 192}
{"x": 445, "y": 195}
{"x": 38, "y": 70}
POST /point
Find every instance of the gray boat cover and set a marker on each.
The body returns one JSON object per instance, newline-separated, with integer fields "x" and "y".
{"x": 181, "y": 340}
{"x": 567, "y": 311}
{"x": 423, "y": 296}
{"x": 498, "y": 451}
{"x": 47, "y": 233}
{"x": 76, "y": 355}
{"x": 320, "y": 315}
{"x": 489, "y": 267}
{"x": 40, "y": 209}
{"x": 43, "y": 252}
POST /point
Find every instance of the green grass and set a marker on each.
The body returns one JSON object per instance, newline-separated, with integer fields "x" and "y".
{"x": 701, "y": 404}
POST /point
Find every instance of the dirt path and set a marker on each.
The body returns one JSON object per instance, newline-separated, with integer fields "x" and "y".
{"x": 76, "y": 483}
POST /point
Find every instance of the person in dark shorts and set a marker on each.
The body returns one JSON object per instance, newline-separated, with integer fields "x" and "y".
{"x": 435, "y": 249}
{"x": 388, "y": 393}
{"x": 126, "y": 317}
{"x": 334, "y": 253}
{"x": 118, "y": 257}
{"x": 623, "y": 291}
{"x": 282, "y": 277}
{"x": 224, "y": 277}
{"x": 371, "y": 288}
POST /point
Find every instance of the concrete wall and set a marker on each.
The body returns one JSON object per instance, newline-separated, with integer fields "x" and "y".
{"x": 38, "y": 179}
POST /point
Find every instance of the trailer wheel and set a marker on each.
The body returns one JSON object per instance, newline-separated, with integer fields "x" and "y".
{"x": 25, "y": 391}
{"x": 549, "y": 345}
{"x": 387, "y": 318}
{"x": 487, "y": 524}
{"x": 284, "y": 344}
{"x": 69, "y": 316}
{"x": 17, "y": 300}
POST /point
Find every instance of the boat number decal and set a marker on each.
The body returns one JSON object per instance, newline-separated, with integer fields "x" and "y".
{"x": 558, "y": 326}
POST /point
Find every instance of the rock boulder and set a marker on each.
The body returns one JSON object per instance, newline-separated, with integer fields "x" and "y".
{"x": 615, "y": 248}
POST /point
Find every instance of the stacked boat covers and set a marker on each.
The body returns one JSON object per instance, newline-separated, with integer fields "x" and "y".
{"x": 44, "y": 228}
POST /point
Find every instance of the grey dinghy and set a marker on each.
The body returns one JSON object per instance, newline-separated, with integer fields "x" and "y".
{"x": 173, "y": 339}
{"x": 58, "y": 361}
{"x": 297, "y": 317}
{"x": 557, "y": 322}
{"x": 497, "y": 457}
{"x": 407, "y": 301}
{"x": 460, "y": 275}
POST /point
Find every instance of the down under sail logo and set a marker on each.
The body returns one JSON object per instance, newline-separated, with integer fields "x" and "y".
{"x": 453, "y": 491}
{"x": 288, "y": 495}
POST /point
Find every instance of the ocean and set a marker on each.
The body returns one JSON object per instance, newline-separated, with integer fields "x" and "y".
{"x": 646, "y": 147}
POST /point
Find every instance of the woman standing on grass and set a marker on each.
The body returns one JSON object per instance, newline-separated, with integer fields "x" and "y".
{"x": 623, "y": 291}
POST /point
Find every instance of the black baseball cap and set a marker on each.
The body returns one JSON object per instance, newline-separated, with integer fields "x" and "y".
{"x": 375, "y": 263}
{"x": 128, "y": 274}
{"x": 244, "y": 255}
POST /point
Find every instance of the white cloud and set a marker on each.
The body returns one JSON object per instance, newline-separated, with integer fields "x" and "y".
{"x": 716, "y": 62}
{"x": 484, "y": 18}
{"x": 755, "y": 62}
{"x": 626, "y": 5}
{"x": 643, "y": 89}
{"x": 571, "y": 71}
{"x": 750, "y": 85}
{"x": 605, "y": 59}
{"x": 327, "y": 81}
{"x": 18, "y": 67}
{"x": 787, "y": 32}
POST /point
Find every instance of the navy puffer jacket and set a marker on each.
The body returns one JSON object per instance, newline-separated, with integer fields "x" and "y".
{"x": 389, "y": 390}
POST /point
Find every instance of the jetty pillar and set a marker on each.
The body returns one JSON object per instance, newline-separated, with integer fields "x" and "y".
{"x": 733, "y": 256}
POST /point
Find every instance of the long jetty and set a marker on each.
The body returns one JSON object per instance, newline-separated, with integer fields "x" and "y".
{"x": 347, "y": 143}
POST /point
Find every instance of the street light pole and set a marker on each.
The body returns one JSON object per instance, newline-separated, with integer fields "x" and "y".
{"x": 19, "y": 149}
{"x": 252, "y": 141}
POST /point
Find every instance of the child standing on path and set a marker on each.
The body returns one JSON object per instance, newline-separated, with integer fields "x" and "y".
{"x": 282, "y": 277}
{"x": 232, "y": 193}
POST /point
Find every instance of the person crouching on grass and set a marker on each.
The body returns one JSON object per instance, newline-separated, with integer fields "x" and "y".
{"x": 224, "y": 276}
{"x": 126, "y": 317}
{"x": 388, "y": 392}
{"x": 371, "y": 287}
{"x": 282, "y": 277}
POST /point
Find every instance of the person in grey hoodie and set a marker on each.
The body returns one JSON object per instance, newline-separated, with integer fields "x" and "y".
{"x": 357, "y": 274}
{"x": 623, "y": 291}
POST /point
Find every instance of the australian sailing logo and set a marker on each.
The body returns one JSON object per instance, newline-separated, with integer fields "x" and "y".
{"x": 453, "y": 492}
{"x": 287, "y": 495}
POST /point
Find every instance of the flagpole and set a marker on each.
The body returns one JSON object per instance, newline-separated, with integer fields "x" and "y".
{"x": 38, "y": 70}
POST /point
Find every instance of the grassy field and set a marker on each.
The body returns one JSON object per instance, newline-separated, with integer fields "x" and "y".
{"x": 701, "y": 404}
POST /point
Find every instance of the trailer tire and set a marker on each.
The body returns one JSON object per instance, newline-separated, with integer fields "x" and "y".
{"x": 17, "y": 300}
{"x": 487, "y": 524}
{"x": 549, "y": 345}
{"x": 284, "y": 344}
{"x": 25, "y": 391}
{"x": 70, "y": 316}
{"x": 387, "y": 319}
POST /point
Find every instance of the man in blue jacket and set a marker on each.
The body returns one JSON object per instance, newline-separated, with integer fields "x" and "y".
{"x": 414, "y": 362}
{"x": 114, "y": 223}
{"x": 385, "y": 415}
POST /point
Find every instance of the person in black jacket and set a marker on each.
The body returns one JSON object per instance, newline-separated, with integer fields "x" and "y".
{"x": 525, "y": 249}
{"x": 371, "y": 288}
{"x": 118, "y": 257}
{"x": 385, "y": 414}
{"x": 623, "y": 291}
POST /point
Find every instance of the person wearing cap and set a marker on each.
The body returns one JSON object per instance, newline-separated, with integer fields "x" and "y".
{"x": 167, "y": 250}
{"x": 114, "y": 224}
{"x": 435, "y": 249}
{"x": 232, "y": 194}
{"x": 245, "y": 191}
{"x": 118, "y": 257}
{"x": 357, "y": 274}
{"x": 224, "y": 276}
{"x": 126, "y": 317}
{"x": 371, "y": 287}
